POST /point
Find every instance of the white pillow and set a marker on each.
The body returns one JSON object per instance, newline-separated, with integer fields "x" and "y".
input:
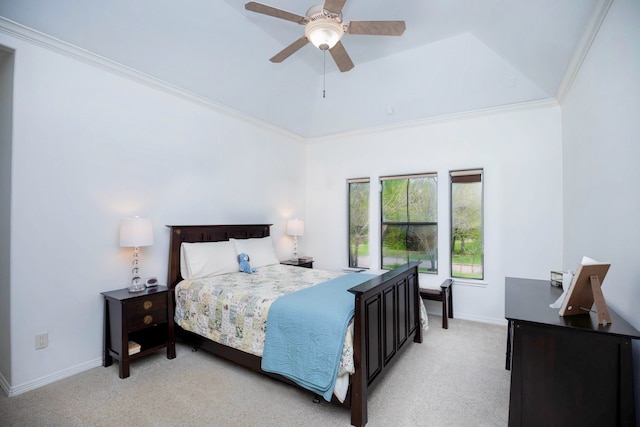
{"x": 207, "y": 259}
{"x": 260, "y": 251}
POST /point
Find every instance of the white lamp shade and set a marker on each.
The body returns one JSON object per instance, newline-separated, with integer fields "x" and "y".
{"x": 295, "y": 227}
{"x": 136, "y": 232}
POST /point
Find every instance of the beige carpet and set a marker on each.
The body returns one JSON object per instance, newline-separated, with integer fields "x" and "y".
{"x": 456, "y": 377}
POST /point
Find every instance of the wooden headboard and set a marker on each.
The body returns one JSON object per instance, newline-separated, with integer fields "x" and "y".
{"x": 206, "y": 233}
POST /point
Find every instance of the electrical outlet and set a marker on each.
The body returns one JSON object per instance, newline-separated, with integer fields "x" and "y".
{"x": 42, "y": 340}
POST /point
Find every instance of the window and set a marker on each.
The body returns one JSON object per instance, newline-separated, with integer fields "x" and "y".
{"x": 409, "y": 225}
{"x": 359, "y": 223}
{"x": 467, "y": 248}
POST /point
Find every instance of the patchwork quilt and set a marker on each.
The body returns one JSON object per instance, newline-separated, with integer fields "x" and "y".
{"x": 232, "y": 309}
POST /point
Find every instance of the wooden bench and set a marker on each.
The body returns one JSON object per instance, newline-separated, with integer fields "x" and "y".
{"x": 443, "y": 294}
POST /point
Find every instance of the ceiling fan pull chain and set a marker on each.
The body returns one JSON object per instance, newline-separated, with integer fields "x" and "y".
{"x": 324, "y": 71}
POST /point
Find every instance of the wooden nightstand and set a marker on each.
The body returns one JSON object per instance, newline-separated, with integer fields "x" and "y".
{"x": 142, "y": 317}
{"x": 300, "y": 262}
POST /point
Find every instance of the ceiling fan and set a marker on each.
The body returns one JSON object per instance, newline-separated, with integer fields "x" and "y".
{"x": 324, "y": 28}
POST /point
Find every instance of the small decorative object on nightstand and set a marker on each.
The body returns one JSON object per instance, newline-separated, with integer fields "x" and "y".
{"x": 135, "y": 324}
{"x": 303, "y": 261}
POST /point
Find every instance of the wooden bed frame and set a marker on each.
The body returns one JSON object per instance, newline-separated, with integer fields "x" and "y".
{"x": 387, "y": 315}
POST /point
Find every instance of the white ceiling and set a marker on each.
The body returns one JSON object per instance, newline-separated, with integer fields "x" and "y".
{"x": 455, "y": 55}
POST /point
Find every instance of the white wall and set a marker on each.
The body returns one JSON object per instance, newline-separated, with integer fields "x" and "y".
{"x": 6, "y": 102}
{"x": 601, "y": 171}
{"x": 520, "y": 152}
{"x": 91, "y": 147}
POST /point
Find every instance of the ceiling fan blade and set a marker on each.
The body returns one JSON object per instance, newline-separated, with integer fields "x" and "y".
{"x": 334, "y": 6}
{"x": 341, "y": 57}
{"x": 272, "y": 11}
{"x": 377, "y": 28}
{"x": 290, "y": 50}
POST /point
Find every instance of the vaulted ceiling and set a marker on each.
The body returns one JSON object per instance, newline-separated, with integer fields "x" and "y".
{"x": 455, "y": 55}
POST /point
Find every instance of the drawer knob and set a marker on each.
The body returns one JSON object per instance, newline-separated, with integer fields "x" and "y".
{"x": 147, "y": 319}
{"x": 147, "y": 305}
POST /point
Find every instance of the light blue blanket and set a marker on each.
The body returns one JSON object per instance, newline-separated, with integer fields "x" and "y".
{"x": 306, "y": 330}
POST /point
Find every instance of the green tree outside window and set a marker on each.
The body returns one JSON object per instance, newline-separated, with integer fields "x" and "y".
{"x": 359, "y": 223}
{"x": 409, "y": 224}
{"x": 467, "y": 243}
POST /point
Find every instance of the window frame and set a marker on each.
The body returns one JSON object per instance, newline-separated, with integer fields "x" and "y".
{"x": 461, "y": 177}
{"x": 349, "y": 182}
{"x": 409, "y": 223}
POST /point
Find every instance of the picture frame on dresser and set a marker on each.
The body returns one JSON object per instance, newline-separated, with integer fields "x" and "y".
{"x": 585, "y": 290}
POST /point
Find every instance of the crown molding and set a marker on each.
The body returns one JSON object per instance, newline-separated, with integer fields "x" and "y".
{"x": 584, "y": 45}
{"x": 37, "y": 38}
{"x": 446, "y": 118}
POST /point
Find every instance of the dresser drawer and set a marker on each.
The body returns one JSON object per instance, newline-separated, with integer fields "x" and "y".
{"x": 148, "y": 311}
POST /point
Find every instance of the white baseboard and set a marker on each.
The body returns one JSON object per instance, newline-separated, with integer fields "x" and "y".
{"x": 48, "y": 379}
{"x": 481, "y": 319}
{"x": 4, "y": 384}
{"x": 471, "y": 317}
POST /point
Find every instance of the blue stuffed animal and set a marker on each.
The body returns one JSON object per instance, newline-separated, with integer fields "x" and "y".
{"x": 243, "y": 259}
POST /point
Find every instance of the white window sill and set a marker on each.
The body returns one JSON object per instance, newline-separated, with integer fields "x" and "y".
{"x": 470, "y": 282}
{"x": 431, "y": 281}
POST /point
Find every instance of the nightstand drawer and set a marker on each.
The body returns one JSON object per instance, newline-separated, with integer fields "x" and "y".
{"x": 147, "y": 303}
{"x": 147, "y": 311}
{"x": 138, "y": 321}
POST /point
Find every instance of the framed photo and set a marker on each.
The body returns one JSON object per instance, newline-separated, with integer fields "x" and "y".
{"x": 585, "y": 290}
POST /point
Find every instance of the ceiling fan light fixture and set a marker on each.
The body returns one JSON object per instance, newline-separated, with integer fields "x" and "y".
{"x": 324, "y": 33}
{"x": 324, "y": 28}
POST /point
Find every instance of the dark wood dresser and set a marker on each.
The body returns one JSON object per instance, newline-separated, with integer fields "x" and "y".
{"x": 566, "y": 370}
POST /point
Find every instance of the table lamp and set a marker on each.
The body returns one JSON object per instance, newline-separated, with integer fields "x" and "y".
{"x": 295, "y": 228}
{"x": 136, "y": 232}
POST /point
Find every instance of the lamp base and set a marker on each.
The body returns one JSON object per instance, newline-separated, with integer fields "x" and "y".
{"x": 136, "y": 282}
{"x": 137, "y": 288}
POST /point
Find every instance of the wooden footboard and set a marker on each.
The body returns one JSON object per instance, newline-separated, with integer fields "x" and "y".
{"x": 387, "y": 317}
